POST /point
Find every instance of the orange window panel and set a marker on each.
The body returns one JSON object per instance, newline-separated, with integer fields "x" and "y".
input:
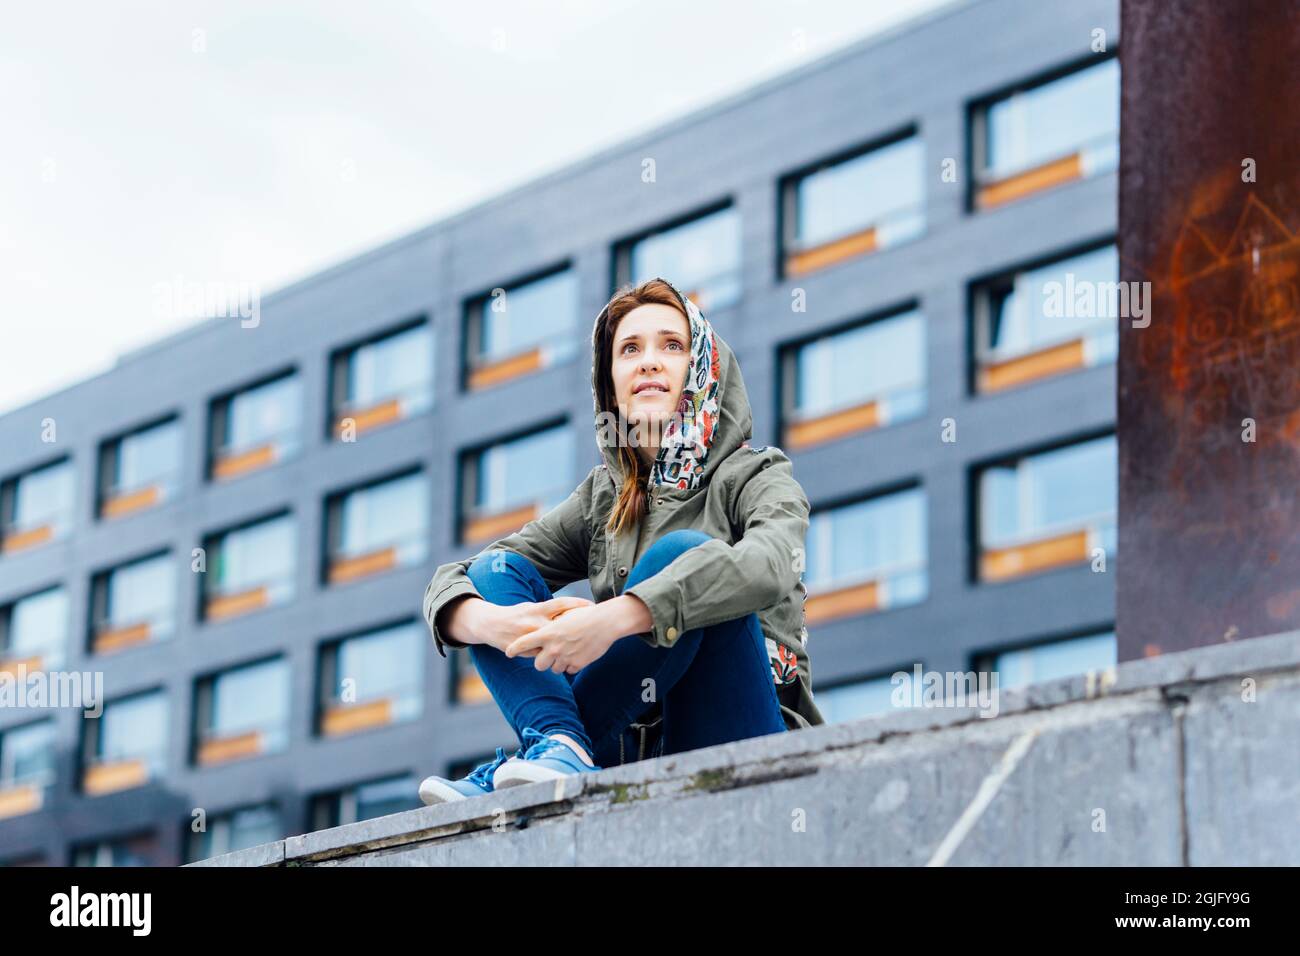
{"x": 1034, "y": 180}
{"x": 117, "y": 775}
{"x": 364, "y": 565}
{"x": 30, "y": 538}
{"x": 130, "y": 502}
{"x": 16, "y": 801}
{"x": 24, "y": 665}
{"x": 470, "y": 689}
{"x": 999, "y": 564}
{"x": 348, "y": 718}
{"x": 232, "y": 605}
{"x": 232, "y": 466}
{"x": 493, "y": 373}
{"x": 813, "y": 431}
{"x": 113, "y": 639}
{"x": 827, "y": 254}
{"x": 492, "y": 526}
{"x": 1044, "y": 363}
{"x": 367, "y": 418}
{"x": 842, "y": 602}
{"x": 220, "y": 749}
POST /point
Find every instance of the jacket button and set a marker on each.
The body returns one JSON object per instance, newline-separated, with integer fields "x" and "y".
{"x": 622, "y": 572}
{"x": 671, "y": 633}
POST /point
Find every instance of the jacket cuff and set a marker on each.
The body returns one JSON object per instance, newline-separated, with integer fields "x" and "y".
{"x": 661, "y": 595}
{"x": 433, "y": 606}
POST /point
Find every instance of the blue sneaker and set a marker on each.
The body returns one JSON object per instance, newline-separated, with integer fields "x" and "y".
{"x": 477, "y": 782}
{"x": 544, "y": 759}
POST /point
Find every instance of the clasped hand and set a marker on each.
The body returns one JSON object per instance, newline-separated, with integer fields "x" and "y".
{"x": 564, "y": 634}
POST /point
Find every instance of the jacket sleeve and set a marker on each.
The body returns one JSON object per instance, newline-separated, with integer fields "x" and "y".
{"x": 716, "y": 581}
{"x": 556, "y": 543}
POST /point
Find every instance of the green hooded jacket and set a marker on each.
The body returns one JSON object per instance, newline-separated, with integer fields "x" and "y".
{"x": 706, "y": 477}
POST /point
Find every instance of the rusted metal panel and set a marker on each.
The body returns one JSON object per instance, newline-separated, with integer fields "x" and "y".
{"x": 1209, "y": 390}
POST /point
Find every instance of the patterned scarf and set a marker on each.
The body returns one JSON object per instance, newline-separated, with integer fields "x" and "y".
{"x": 686, "y": 441}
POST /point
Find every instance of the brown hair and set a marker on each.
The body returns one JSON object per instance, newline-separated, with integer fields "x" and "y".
{"x": 631, "y": 503}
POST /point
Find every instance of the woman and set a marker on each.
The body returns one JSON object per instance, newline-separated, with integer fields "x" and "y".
{"x": 693, "y": 543}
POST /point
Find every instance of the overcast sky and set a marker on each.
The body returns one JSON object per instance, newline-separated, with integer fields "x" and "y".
{"x": 254, "y": 142}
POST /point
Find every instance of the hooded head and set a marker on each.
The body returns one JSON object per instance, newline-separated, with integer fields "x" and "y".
{"x": 712, "y": 417}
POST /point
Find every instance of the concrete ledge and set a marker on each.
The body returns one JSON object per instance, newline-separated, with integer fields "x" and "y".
{"x": 1156, "y": 762}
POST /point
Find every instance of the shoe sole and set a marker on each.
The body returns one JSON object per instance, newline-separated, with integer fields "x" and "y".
{"x": 526, "y": 771}
{"x": 433, "y": 792}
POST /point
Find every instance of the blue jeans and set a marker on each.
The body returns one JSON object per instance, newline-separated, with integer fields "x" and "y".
{"x": 715, "y": 683}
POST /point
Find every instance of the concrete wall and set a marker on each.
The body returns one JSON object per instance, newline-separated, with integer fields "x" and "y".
{"x": 1189, "y": 759}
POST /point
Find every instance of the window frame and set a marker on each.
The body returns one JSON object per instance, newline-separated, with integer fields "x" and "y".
{"x": 787, "y": 364}
{"x": 975, "y": 507}
{"x": 980, "y": 313}
{"x": 850, "y": 585}
{"x": 331, "y": 555}
{"x": 787, "y": 192}
{"x": 213, "y": 542}
{"x": 60, "y": 528}
{"x": 99, "y": 599}
{"x": 977, "y": 110}
{"x": 339, "y": 365}
{"x": 6, "y": 626}
{"x": 219, "y": 427}
{"x": 110, "y": 453}
{"x": 621, "y": 249}
{"x": 471, "y": 361}
{"x": 201, "y": 728}
{"x": 327, "y": 658}
{"x": 470, "y": 461}
{"x": 92, "y": 739}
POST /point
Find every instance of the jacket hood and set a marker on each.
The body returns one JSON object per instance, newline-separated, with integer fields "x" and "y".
{"x": 713, "y": 416}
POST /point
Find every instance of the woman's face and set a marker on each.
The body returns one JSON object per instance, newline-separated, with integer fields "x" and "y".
{"x": 652, "y": 352}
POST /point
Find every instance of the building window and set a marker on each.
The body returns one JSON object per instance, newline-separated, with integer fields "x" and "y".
{"x": 257, "y": 427}
{"x": 1047, "y": 510}
{"x": 1048, "y": 661}
{"x": 139, "y": 850}
{"x": 508, "y": 484}
{"x": 36, "y": 507}
{"x": 236, "y": 830}
{"x": 133, "y": 603}
{"x": 520, "y": 329}
{"x": 26, "y": 767}
{"x": 850, "y": 207}
{"x": 850, "y": 381}
{"x": 867, "y": 556}
{"x": 127, "y": 745}
{"x": 377, "y": 527}
{"x": 467, "y": 686}
{"x": 1047, "y": 320}
{"x": 242, "y": 712}
{"x": 372, "y": 680}
{"x": 140, "y": 470}
{"x": 249, "y": 568}
{"x": 863, "y": 698}
{"x": 1045, "y": 134}
{"x": 365, "y": 801}
{"x": 382, "y": 380}
{"x": 34, "y": 632}
{"x": 700, "y": 256}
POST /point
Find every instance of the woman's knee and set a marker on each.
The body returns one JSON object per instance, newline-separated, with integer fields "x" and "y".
{"x": 494, "y": 568}
{"x": 664, "y": 551}
{"x": 681, "y": 540}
